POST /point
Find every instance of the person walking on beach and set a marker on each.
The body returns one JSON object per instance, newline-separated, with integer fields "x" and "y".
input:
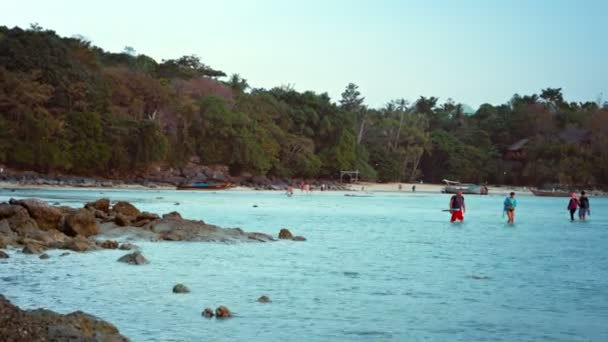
{"x": 457, "y": 207}
{"x": 572, "y": 206}
{"x": 509, "y": 207}
{"x": 583, "y": 206}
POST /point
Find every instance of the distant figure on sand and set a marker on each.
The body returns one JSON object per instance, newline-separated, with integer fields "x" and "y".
{"x": 457, "y": 207}
{"x": 400, "y": 186}
{"x": 583, "y": 206}
{"x": 572, "y": 206}
{"x": 509, "y": 207}
{"x": 289, "y": 191}
{"x": 413, "y": 188}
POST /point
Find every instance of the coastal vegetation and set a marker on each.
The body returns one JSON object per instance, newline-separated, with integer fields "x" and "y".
{"x": 69, "y": 106}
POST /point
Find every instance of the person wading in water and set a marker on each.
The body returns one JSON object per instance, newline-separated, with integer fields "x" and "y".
{"x": 510, "y": 205}
{"x": 583, "y": 207}
{"x": 457, "y": 207}
{"x": 572, "y": 206}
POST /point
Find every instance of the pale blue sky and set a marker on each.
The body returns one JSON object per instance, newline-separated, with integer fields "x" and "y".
{"x": 471, "y": 50}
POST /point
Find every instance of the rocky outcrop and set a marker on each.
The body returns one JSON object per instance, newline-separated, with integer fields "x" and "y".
{"x": 46, "y": 325}
{"x": 76, "y": 228}
{"x": 181, "y": 288}
{"x": 81, "y": 223}
{"x": 285, "y": 234}
{"x": 135, "y": 258}
{"x": 47, "y": 217}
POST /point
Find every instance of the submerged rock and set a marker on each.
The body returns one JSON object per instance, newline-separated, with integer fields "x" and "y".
{"x": 33, "y": 248}
{"x": 128, "y": 246}
{"x": 264, "y": 299}
{"x": 180, "y": 288}
{"x": 44, "y": 256}
{"x": 64, "y": 254}
{"x": 108, "y": 244}
{"x": 208, "y": 312}
{"x": 135, "y": 258}
{"x": 222, "y": 312}
{"x": 285, "y": 234}
{"x": 299, "y": 238}
{"x": 46, "y": 325}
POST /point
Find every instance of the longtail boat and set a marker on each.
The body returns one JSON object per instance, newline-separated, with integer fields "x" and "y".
{"x": 453, "y": 187}
{"x": 204, "y": 186}
{"x": 551, "y": 193}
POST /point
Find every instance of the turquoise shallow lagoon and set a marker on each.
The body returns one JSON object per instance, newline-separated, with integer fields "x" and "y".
{"x": 389, "y": 267}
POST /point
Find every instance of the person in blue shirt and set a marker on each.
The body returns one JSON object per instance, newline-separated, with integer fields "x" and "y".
{"x": 510, "y": 205}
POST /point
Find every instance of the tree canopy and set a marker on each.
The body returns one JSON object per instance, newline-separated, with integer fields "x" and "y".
{"x": 69, "y": 106}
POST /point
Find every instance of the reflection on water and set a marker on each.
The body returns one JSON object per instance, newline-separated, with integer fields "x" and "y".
{"x": 386, "y": 267}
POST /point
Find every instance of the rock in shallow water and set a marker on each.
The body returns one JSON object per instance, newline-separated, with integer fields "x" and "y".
{"x": 285, "y": 234}
{"x": 208, "y": 312}
{"x": 264, "y": 299}
{"x": 180, "y": 288}
{"x": 127, "y": 246}
{"x": 135, "y": 258}
{"x": 44, "y": 256}
{"x": 32, "y": 248}
{"x": 299, "y": 238}
{"x": 222, "y": 312}
{"x": 3, "y": 255}
{"x": 108, "y": 244}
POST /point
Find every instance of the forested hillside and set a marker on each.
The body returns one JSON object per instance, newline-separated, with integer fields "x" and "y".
{"x": 69, "y": 106}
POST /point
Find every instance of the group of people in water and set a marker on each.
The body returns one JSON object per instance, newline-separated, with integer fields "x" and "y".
{"x": 458, "y": 207}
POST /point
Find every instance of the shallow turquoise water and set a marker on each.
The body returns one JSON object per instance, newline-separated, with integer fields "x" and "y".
{"x": 382, "y": 268}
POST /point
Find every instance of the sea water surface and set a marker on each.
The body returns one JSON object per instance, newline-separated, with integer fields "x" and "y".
{"x": 389, "y": 267}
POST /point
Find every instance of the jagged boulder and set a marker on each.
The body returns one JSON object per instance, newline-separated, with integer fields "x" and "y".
{"x": 81, "y": 223}
{"x": 46, "y": 216}
{"x": 102, "y": 205}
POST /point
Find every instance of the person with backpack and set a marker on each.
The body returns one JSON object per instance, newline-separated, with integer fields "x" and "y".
{"x": 457, "y": 207}
{"x": 509, "y": 207}
{"x": 572, "y": 206}
{"x": 583, "y": 205}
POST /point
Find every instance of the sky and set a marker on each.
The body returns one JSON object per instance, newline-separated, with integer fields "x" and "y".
{"x": 474, "y": 51}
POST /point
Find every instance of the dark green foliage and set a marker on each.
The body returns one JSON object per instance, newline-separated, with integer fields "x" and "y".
{"x": 68, "y": 106}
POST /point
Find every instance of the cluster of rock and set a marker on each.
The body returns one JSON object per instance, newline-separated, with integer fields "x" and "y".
{"x": 36, "y": 226}
{"x": 46, "y": 325}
